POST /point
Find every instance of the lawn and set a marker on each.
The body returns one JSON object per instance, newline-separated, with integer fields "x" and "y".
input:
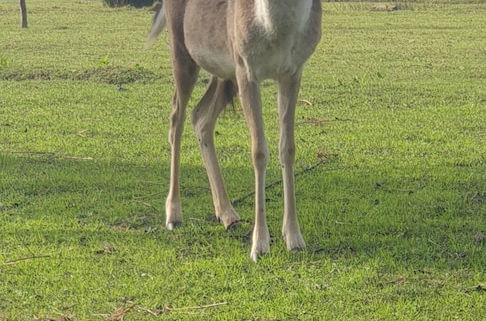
{"x": 391, "y": 185}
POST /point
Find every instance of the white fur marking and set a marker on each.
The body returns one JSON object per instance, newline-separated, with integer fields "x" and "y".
{"x": 262, "y": 14}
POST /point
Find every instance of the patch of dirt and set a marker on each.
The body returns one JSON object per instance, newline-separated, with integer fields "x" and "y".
{"x": 106, "y": 74}
{"x": 385, "y": 7}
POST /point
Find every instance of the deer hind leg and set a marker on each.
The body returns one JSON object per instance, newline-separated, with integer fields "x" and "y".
{"x": 185, "y": 76}
{"x": 204, "y": 116}
{"x": 287, "y": 98}
{"x": 251, "y": 102}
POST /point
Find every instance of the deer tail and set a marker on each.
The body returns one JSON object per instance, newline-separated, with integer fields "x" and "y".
{"x": 158, "y": 23}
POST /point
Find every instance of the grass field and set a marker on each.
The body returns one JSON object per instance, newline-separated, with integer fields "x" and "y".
{"x": 391, "y": 188}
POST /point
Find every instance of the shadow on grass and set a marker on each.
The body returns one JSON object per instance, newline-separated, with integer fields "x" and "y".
{"x": 353, "y": 214}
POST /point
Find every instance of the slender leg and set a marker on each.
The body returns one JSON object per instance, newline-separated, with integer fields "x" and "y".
{"x": 251, "y": 102}
{"x": 287, "y": 98}
{"x": 204, "y": 118}
{"x": 185, "y": 76}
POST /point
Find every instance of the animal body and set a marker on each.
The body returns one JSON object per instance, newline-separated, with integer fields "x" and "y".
{"x": 240, "y": 43}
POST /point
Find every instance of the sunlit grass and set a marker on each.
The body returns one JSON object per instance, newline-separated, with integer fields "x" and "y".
{"x": 391, "y": 121}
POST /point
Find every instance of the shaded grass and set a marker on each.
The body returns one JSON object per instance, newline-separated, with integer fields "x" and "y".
{"x": 394, "y": 216}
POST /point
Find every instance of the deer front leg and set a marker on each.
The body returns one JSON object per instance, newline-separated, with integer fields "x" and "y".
{"x": 287, "y": 99}
{"x": 251, "y": 102}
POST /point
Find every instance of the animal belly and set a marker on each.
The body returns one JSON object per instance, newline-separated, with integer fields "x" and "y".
{"x": 206, "y": 36}
{"x": 216, "y": 62}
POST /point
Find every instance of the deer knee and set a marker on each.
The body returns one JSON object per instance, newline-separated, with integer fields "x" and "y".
{"x": 260, "y": 156}
{"x": 202, "y": 125}
{"x": 195, "y": 118}
{"x": 287, "y": 153}
{"x": 176, "y": 123}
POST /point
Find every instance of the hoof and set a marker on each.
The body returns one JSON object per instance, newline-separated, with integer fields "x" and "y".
{"x": 255, "y": 254}
{"x": 260, "y": 244}
{"x": 172, "y": 225}
{"x": 229, "y": 218}
{"x": 173, "y": 214}
{"x": 294, "y": 241}
{"x": 233, "y": 225}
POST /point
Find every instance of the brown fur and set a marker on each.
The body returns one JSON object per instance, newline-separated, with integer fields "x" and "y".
{"x": 228, "y": 39}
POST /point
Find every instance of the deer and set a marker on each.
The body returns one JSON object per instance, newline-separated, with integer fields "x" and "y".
{"x": 239, "y": 43}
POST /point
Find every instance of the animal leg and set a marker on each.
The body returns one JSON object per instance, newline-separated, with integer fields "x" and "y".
{"x": 204, "y": 117}
{"x": 185, "y": 76}
{"x": 288, "y": 91}
{"x": 251, "y": 102}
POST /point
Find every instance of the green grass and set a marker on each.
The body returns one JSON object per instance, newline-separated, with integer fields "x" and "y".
{"x": 394, "y": 215}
